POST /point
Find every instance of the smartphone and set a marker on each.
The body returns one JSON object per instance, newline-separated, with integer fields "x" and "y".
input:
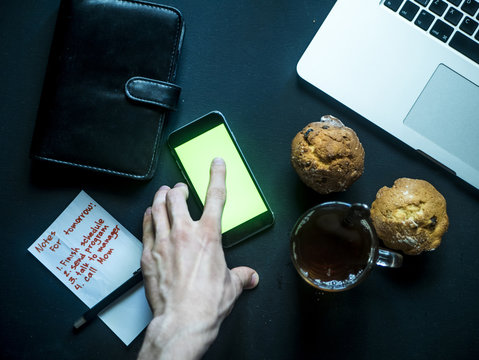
{"x": 194, "y": 146}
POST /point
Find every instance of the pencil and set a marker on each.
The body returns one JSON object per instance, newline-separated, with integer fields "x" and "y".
{"x": 122, "y": 289}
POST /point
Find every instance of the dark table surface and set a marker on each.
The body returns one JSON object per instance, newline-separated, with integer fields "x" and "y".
{"x": 238, "y": 57}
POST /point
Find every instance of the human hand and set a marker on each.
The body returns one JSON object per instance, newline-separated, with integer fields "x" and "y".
{"x": 187, "y": 282}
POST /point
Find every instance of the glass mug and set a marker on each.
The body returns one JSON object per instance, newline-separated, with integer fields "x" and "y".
{"x": 334, "y": 246}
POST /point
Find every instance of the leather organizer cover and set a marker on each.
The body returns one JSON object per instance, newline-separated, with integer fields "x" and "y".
{"x": 108, "y": 86}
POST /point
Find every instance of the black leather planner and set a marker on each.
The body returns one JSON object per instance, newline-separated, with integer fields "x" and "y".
{"x": 109, "y": 86}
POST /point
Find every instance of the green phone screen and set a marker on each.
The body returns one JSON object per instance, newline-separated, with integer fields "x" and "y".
{"x": 243, "y": 201}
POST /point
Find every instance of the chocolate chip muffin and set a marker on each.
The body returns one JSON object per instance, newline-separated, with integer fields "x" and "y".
{"x": 327, "y": 155}
{"x": 410, "y": 216}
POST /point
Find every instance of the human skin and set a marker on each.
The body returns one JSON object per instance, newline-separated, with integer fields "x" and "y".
{"x": 188, "y": 285}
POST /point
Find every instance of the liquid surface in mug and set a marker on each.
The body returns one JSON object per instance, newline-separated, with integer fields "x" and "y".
{"x": 328, "y": 251}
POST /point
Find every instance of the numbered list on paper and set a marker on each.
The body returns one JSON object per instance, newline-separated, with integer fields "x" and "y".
{"x": 88, "y": 250}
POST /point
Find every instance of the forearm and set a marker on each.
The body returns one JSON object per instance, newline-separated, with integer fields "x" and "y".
{"x": 168, "y": 338}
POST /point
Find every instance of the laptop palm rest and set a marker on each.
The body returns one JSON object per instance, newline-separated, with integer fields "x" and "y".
{"x": 447, "y": 113}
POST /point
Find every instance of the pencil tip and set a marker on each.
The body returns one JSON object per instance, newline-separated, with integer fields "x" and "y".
{"x": 79, "y": 323}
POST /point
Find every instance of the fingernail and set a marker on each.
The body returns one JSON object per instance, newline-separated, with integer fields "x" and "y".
{"x": 148, "y": 211}
{"x": 164, "y": 187}
{"x": 254, "y": 280}
{"x": 218, "y": 161}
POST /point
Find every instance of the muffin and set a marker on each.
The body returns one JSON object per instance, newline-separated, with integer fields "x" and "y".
{"x": 327, "y": 155}
{"x": 410, "y": 216}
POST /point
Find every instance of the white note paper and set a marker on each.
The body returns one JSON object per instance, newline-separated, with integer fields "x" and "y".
{"x": 92, "y": 254}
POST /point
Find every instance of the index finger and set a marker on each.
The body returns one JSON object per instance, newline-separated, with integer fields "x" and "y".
{"x": 216, "y": 194}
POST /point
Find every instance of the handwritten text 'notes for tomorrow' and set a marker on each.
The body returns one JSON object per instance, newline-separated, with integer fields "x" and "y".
{"x": 92, "y": 254}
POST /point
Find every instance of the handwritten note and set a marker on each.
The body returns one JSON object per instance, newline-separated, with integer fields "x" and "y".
{"x": 92, "y": 254}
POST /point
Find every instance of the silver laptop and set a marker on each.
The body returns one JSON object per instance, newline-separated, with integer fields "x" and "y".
{"x": 411, "y": 67}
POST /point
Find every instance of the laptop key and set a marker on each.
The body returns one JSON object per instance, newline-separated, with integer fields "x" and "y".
{"x": 422, "y": 2}
{"x": 453, "y": 16}
{"x": 470, "y": 6}
{"x": 468, "y": 25}
{"x": 455, "y": 2}
{"x": 465, "y": 46}
{"x": 424, "y": 20}
{"x": 409, "y": 10}
{"x": 393, "y": 4}
{"x": 441, "y": 30}
{"x": 438, "y": 7}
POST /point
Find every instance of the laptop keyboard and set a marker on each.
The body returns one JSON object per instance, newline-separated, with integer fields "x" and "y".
{"x": 454, "y": 22}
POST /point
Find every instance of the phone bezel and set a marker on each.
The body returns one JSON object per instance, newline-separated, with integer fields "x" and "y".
{"x": 192, "y": 130}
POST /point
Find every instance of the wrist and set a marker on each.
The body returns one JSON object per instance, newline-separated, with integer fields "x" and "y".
{"x": 172, "y": 337}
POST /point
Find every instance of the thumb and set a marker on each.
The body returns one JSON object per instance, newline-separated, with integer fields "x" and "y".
{"x": 248, "y": 278}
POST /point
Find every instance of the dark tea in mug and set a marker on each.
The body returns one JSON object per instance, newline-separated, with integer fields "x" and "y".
{"x": 331, "y": 251}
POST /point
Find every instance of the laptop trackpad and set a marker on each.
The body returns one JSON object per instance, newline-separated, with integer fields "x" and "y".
{"x": 447, "y": 113}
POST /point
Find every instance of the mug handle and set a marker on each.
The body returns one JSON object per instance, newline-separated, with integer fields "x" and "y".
{"x": 389, "y": 258}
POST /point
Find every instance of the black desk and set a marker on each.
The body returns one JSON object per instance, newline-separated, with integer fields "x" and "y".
{"x": 238, "y": 57}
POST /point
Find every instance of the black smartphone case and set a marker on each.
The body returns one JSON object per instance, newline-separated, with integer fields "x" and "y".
{"x": 108, "y": 86}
